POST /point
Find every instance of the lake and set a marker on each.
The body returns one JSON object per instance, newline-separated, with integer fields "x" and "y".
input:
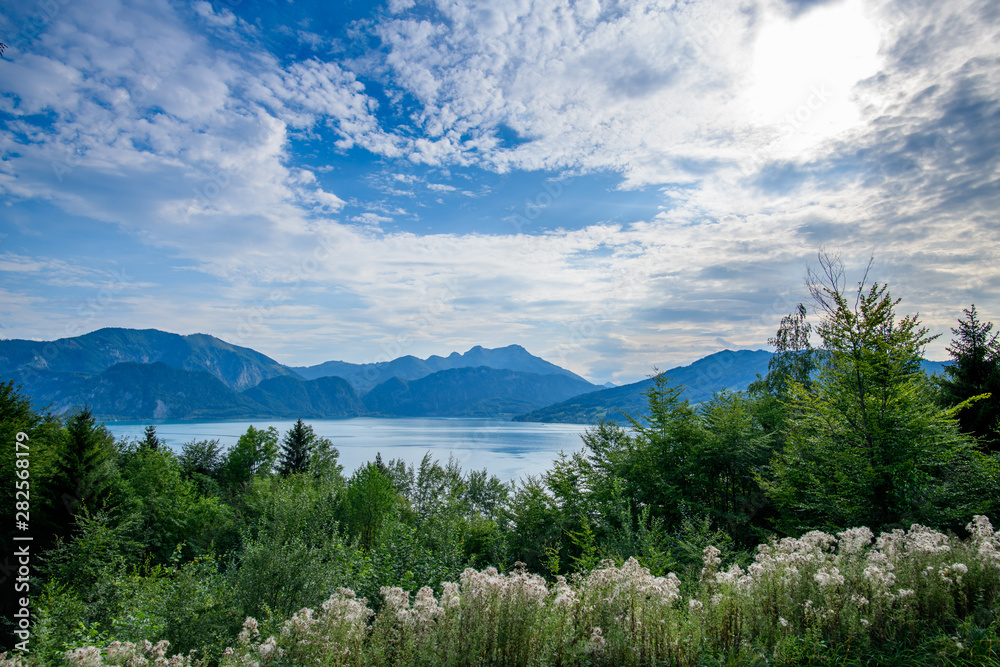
{"x": 509, "y": 450}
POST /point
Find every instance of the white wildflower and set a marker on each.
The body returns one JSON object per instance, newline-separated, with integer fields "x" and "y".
{"x": 854, "y": 540}
{"x": 597, "y": 642}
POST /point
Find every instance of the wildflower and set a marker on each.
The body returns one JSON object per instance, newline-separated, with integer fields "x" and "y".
{"x": 864, "y": 622}
{"x": 449, "y": 595}
{"x": 597, "y": 642}
{"x": 905, "y": 593}
{"x": 711, "y": 562}
{"x": 829, "y": 576}
{"x": 783, "y": 622}
{"x": 268, "y": 648}
{"x": 853, "y": 540}
{"x": 249, "y": 630}
{"x": 922, "y": 539}
{"x": 859, "y": 600}
{"x": 695, "y": 605}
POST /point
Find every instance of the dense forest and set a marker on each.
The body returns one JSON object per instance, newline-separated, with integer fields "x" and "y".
{"x": 839, "y": 511}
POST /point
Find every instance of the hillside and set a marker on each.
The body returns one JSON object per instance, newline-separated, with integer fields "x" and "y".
{"x": 722, "y": 370}
{"x": 155, "y": 391}
{"x": 471, "y": 392}
{"x": 95, "y": 352}
{"x": 322, "y": 398}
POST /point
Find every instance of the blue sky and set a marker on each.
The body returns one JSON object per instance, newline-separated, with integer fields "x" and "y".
{"x": 612, "y": 185}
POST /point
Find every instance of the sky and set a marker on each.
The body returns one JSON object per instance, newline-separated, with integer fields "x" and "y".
{"x": 613, "y": 185}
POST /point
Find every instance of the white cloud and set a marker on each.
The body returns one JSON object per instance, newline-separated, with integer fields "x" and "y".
{"x": 189, "y": 146}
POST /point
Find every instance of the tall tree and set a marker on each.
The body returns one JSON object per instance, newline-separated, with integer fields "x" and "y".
{"x": 794, "y": 357}
{"x": 296, "y": 449}
{"x": 85, "y": 473}
{"x": 368, "y": 500}
{"x": 975, "y": 371}
{"x": 866, "y": 443}
{"x": 253, "y": 454}
{"x": 150, "y": 440}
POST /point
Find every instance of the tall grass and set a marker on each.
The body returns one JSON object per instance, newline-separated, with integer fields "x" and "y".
{"x": 905, "y": 597}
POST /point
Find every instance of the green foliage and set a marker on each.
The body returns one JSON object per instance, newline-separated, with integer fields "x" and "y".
{"x": 296, "y": 449}
{"x": 169, "y": 508}
{"x": 84, "y": 473}
{"x": 369, "y": 500}
{"x": 201, "y": 457}
{"x": 974, "y": 376}
{"x": 292, "y": 553}
{"x": 255, "y": 453}
{"x": 150, "y": 440}
{"x": 866, "y": 443}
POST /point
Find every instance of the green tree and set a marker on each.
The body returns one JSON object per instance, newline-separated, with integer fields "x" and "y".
{"x": 150, "y": 440}
{"x": 975, "y": 372}
{"x": 729, "y": 461}
{"x": 38, "y": 451}
{"x": 296, "y": 449}
{"x": 794, "y": 359}
{"x": 866, "y": 443}
{"x": 168, "y": 508}
{"x": 253, "y": 454}
{"x": 84, "y": 473}
{"x": 201, "y": 457}
{"x": 369, "y": 500}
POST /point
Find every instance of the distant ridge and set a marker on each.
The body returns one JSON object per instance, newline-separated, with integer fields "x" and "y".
{"x": 126, "y": 374}
{"x": 471, "y": 392}
{"x": 151, "y": 374}
{"x": 92, "y": 353}
{"x": 722, "y": 370}
{"x": 154, "y": 391}
{"x": 322, "y": 398}
{"x": 364, "y": 377}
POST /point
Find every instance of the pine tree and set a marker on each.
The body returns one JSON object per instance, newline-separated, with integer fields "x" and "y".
{"x": 85, "y": 472}
{"x": 296, "y": 449}
{"x": 151, "y": 441}
{"x": 975, "y": 372}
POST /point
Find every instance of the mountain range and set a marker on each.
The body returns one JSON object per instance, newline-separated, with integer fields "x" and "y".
{"x": 129, "y": 374}
{"x": 364, "y": 377}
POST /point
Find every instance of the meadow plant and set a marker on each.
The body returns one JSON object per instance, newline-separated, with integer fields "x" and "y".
{"x": 800, "y": 599}
{"x": 127, "y": 654}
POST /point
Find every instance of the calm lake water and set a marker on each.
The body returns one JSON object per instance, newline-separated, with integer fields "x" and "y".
{"x": 509, "y": 450}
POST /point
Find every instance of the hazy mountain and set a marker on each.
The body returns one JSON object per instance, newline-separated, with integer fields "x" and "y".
{"x": 152, "y": 391}
{"x": 722, "y": 370}
{"x": 322, "y": 398}
{"x": 364, "y": 377}
{"x": 934, "y": 367}
{"x": 471, "y": 392}
{"x": 95, "y": 352}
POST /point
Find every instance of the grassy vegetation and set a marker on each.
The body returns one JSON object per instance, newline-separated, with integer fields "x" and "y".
{"x": 906, "y": 597}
